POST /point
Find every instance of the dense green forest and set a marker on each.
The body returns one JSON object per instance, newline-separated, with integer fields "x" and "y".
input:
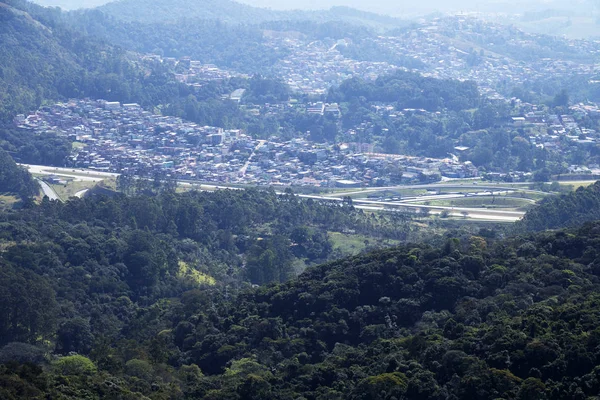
{"x": 410, "y": 90}
{"x": 566, "y": 210}
{"x": 243, "y": 235}
{"x": 28, "y": 148}
{"x": 14, "y": 179}
{"x": 143, "y": 297}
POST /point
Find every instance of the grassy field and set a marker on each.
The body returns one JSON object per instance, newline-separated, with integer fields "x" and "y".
{"x": 533, "y": 196}
{"x": 69, "y": 189}
{"x": 7, "y": 201}
{"x": 484, "y": 202}
{"x": 335, "y": 191}
{"x": 188, "y": 273}
{"x": 576, "y": 184}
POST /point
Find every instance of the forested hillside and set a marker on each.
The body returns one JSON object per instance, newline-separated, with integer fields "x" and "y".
{"x": 42, "y": 59}
{"x": 14, "y": 179}
{"x": 410, "y": 90}
{"x": 117, "y": 299}
{"x": 210, "y": 41}
{"x": 241, "y": 47}
{"x": 572, "y": 209}
{"x": 29, "y": 148}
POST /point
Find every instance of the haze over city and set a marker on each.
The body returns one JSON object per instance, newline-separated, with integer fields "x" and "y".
{"x": 390, "y": 7}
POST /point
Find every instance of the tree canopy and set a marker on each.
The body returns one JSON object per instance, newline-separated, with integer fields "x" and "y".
{"x": 14, "y": 179}
{"x": 567, "y": 210}
{"x": 122, "y": 282}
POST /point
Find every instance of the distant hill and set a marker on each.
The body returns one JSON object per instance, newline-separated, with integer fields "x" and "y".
{"x": 42, "y": 58}
{"x": 161, "y": 11}
{"x": 71, "y": 4}
{"x": 153, "y": 11}
{"x": 553, "y": 17}
{"x": 388, "y": 7}
{"x": 576, "y": 20}
{"x": 574, "y": 27}
{"x": 404, "y": 8}
{"x": 230, "y": 42}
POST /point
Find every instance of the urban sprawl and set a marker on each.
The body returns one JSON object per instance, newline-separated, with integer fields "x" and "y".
{"x": 123, "y": 137}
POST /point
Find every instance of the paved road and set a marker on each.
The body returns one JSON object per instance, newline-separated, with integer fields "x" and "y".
{"x": 472, "y": 214}
{"x": 503, "y": 195}
{"x": 76, "y": 174}
{"x": 48, "y": 191}
{"x": 444, "y": 185}
{"x": 475, "y": 213}
{"x": 244, "y": 168}
{"x": 479, "y": 213}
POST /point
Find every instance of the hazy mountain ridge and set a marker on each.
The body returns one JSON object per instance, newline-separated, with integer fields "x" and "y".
{"x": 153, "y": 11}
{"x": 575, "y": 20}
{"x": 161, "y": 11}
{"x": 388, "y": 7}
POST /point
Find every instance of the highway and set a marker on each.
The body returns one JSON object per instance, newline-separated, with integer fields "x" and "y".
{"x": 48, "y": 190}
{"x": 76, "y": 174}
{"x": 475, "y": 213}
{"x": 471, "y": 214}
{"x": 365, "y": 204}
{"x": 445, "y": 185}
{"x": 505, "y": 195}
